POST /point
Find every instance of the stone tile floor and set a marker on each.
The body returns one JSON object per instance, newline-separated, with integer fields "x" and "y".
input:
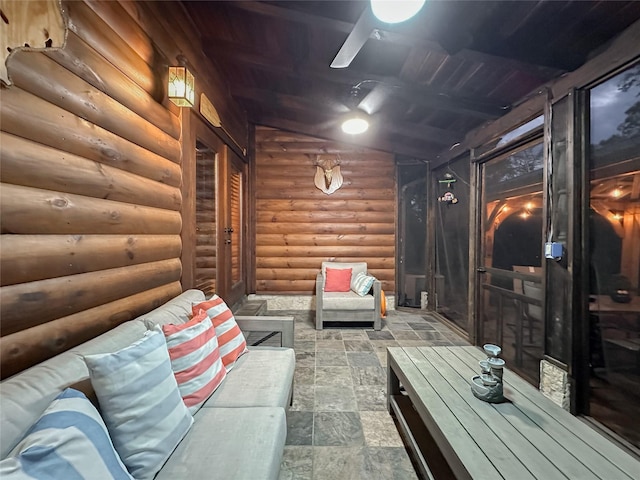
{"x": 338, "y": 425}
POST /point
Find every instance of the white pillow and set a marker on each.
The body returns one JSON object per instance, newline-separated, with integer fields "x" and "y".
{"x": 69, "y": 440}
{"x": 361, "y": 283}
{"x": 140, "y": 402}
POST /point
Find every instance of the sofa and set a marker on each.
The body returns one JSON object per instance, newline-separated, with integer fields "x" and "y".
{"x": 352, "y": 303}
{"x": 238, "y": 433}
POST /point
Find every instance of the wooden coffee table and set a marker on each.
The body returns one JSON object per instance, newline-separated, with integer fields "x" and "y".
{"x": 455, "y": 435}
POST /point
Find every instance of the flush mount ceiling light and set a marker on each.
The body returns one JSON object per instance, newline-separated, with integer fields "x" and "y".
{"x": 355, "y": 123}
{"x": 390, "y": 11}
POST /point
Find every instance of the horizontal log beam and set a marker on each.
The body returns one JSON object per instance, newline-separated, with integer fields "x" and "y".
{"x": 26, "y": 305}
{"x": 97, "y": 33}
{"x": 287, "y": 182}
{"x": 28, "y": 210}
{"x": 46, "y": 79}
{"x": 321, "y": 251}
{"x": 27, "y": 258}
{"x": 316, "y": 262}
{"x": 295, "y": 274}
{"x": 28, "y": 347}
{"x": 326, "y": 217}
{"x": 311, "y": 192}
{"x": 107, "y": 78}
{"x": 328, "y": 204}
{"x": 324, "y": 240}
{"x": 28, "y": 116}
{"x": 297, "y": 287}
{"x": 31, "y": 164}
{"x": 265, "y": 228}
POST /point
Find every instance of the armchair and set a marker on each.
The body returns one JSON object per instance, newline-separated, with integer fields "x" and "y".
{"x": 347, "y": 306}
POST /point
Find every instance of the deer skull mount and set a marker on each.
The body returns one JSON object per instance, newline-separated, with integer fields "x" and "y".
{"x": 328, "y": 177}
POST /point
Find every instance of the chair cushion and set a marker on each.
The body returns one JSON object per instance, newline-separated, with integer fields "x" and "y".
{"x": 337, "y": 280}
{"x": 69, "y": 440}
{"x": 230, "y": 338}
{"x": 195, "y": 359}
{"x": 347, "y": 301}
{"x": 140, "y": 402}
{"x": 361, "y": 283}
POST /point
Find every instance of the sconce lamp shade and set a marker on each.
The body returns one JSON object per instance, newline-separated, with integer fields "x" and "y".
{"x": 355, "y": 123}
{"x": 182, "y": 90}
{"x": 395, "y": 11}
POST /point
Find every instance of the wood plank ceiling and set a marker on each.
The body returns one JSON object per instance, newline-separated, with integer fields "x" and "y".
{"x": 426, "y": 82}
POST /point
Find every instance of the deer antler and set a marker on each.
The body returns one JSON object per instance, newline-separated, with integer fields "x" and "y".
{"x": 325, "y": 178}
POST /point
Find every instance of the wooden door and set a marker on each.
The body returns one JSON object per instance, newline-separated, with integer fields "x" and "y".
{"x": 214, "y": 241}
{"x": 233, "y": 229}
{"x": 208, "y": 149}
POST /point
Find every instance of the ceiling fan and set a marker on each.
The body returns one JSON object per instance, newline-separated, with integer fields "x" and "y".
{"x": 377, "y": 11}
{"x": 358, "y": 112}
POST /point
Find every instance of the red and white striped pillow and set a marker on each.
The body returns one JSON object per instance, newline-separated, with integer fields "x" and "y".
{"x": 230, "y": 338}
{"x": 195, "y": 359}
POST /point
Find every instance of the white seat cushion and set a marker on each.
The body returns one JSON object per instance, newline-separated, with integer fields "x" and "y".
{"x": 264, "y": 378}
{"x": 230, "y": 443}
{"x": 347, "y": 301}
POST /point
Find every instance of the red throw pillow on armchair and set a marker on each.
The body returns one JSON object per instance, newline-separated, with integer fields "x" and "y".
{"x": 337, "y": 280}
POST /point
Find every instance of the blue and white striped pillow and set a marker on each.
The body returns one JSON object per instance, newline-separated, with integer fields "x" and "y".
{"x": 362, "y": 283}
{"x": 69, "y": 441}
{"x": 140, "y": 403}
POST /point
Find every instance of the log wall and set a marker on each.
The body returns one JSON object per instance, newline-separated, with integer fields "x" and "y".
{"x": 298, "y": 226}
{"x": 91, "y": 170}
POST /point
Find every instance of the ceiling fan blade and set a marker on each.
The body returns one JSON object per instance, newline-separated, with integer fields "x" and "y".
{"x": 372, "y": 102}
{"x": 356, "y": 39}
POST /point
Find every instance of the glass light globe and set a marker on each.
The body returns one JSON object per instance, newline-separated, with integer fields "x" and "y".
{"x": 355, "y": 125}
{"x": 395, "y": 11}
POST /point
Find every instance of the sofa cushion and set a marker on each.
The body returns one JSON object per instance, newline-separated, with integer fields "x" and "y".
{"x": 347, "y": 301}
{"x": 69, "y": 440}
{"x": 337, "y": 280}
{"x": 195, "y": 359}
{"x": 362, "y": 283}
{"x": 230, "y": 338}
{"x": 140, "y": 402}
{"x": 26, "y": 395}
{"x": 230, "y": 443}
{"x": 261, "y": 379}
{"x": 175, "y": 311}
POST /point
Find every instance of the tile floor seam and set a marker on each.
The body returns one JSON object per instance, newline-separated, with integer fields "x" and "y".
{"x": 362, "y": 381}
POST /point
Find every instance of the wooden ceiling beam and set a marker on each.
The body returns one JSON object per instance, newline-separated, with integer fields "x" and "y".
{"x": 312, "y": 109}
{"x": 369, "y": 140}
{"x": 267, "y": 9}
{"x": 419, "y": 94}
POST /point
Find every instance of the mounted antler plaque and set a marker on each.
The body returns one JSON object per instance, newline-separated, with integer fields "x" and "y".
{"x": 328, "y": 177}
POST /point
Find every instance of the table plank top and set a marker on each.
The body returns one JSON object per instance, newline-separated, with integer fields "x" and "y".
{"x": 528, "y": 436}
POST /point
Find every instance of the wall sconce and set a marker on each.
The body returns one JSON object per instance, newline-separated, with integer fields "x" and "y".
{"x": 182, "y": 88}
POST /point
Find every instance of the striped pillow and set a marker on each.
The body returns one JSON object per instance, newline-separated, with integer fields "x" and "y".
{"x": 195, "y": 359}
{"x": 230, "y": 338}
{"x": 362, "y": 283}
{"x": 140, "y": 402}
{"x": 69, "y": 440}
